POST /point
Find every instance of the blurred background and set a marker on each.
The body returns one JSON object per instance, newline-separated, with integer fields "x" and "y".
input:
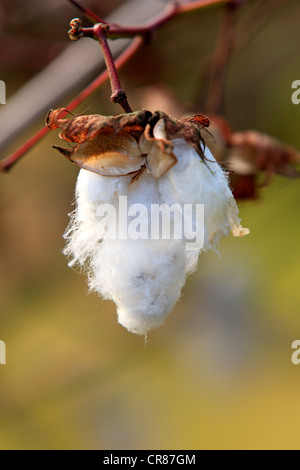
{"x": 218, "y": 374}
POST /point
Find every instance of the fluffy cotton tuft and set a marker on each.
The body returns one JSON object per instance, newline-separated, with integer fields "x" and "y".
{"x": 145, "y": 277}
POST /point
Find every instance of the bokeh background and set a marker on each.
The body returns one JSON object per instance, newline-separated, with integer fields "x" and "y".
{"x": 218, "y": 374}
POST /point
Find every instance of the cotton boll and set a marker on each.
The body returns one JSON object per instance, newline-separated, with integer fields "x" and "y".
{"x": 144, "y": 277}
{"x": 131, "y": 258}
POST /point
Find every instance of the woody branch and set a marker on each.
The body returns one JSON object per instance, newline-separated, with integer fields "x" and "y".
{"x": 113, "y": 31}
{"x": 99, "y": 32}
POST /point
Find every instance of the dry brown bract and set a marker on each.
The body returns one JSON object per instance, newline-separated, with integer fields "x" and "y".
{"x": 126, "y": 144}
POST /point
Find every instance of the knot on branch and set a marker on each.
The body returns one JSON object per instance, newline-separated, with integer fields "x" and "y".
{"x": 118, "y": 96}
{"x": 101, "y": 30}
{"x": 75, "y": 32}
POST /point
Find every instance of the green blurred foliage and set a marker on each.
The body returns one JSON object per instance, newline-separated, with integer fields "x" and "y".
{"x": 218, "y": 374}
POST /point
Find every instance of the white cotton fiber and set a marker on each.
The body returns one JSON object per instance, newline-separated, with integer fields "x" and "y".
{"x": 193, "y": 181}
{"x": 145, "y": 277}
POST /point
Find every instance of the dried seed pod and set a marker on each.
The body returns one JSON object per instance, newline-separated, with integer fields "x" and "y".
{"x": 247, "y": 154}
{"x": 126, "y": 143}
{"x": 261, "y": 152}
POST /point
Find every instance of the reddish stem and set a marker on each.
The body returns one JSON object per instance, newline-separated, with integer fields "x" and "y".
{"x": 190, "y": 6}
{"x": 90, "y": 15}
{"x": 170, "y": 12}
{"x": 118, "y": 95}
{"x": 8, "y": 162}
{"x": 114, "y": 31}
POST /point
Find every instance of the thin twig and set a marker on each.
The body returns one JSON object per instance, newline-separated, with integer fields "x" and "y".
{"x": 173, "y": 9}
{"x": 248, "y": 29}
{"x": 89, "y": 14}
{"x": 7, "y": 163}
{"x": 103, "y": 31}
{"x": 118, "y": 95}
{"x": 225, "y": 42}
